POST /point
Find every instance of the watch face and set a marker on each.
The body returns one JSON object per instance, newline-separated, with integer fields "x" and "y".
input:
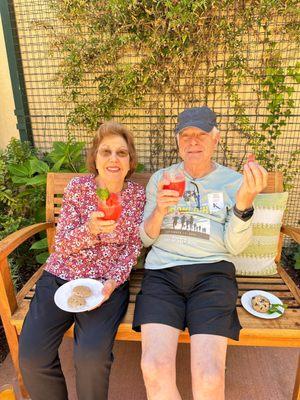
{"x": 248, "y": 212}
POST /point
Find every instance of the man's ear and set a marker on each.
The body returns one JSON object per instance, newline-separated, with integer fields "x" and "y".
{"x": 216, "y": 138}
{"x": 177, "y": 145}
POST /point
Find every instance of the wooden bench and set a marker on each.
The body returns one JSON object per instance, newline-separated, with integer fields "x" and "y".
{"x": 281, "y": 332}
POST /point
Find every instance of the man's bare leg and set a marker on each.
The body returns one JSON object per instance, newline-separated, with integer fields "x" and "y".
{"x": 208, "y": 356}
{"x": 159, "y": 347}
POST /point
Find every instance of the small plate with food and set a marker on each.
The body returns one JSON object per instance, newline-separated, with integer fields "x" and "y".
{"x": 79, "y": 295}
{"x": 262, "y": 304}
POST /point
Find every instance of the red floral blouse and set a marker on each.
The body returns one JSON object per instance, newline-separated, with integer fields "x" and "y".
{"x": 80, "y": 254}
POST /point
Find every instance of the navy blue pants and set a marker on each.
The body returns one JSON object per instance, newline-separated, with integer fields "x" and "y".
{"x": 94, "y": 333}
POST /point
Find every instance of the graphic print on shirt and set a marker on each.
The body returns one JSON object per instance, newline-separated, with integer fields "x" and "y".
{"x": 189, "y": 219}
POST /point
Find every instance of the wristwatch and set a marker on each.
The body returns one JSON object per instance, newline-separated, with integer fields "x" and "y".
{"x": 243, "y": 215}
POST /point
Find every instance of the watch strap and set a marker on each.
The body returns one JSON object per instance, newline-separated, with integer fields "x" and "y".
{"x": 244, "y": 215}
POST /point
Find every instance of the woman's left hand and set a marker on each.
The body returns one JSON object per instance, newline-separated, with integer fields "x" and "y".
{"x": 108, "y": 288}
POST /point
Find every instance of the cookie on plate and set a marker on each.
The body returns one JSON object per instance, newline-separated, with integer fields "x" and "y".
{"x": 76, "y": 301}
{"x": 82, "y": 291}
{"x": 260, "y": 303}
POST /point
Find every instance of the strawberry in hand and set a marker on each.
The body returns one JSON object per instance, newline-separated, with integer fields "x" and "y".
{"x": 255, "y": 179}
{"x": 251, "y": 158}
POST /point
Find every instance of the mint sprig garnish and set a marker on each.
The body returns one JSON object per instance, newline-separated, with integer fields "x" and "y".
{"x": 102, "y": 193}
{"x": 276, "y": 308}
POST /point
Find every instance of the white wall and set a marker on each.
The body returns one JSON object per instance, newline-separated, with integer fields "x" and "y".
{"x": 8, "y": 119}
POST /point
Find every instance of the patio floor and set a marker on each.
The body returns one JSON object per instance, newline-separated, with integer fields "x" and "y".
{"x": 252, "y": 373}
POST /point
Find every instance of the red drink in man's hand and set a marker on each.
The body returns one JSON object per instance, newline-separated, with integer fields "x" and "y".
{"x": 177, "y": 181}
{"x": 179, "y": 186}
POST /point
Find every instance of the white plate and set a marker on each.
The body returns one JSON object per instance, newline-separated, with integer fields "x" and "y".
{"x": 246, "y": 303}
{"x": 65, "y": 291}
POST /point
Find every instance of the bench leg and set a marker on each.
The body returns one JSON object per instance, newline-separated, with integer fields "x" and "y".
{"x": 13, "y": 344}
{"x": 296, "y": 393}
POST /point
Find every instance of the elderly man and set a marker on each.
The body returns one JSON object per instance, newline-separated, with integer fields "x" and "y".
{"x": 189, "y": 279}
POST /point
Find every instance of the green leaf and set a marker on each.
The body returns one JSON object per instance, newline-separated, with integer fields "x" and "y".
{"x": 57, "y": 166}
{"x": 38, "y": 165}
{"x": 27, "y": 192}
{"x": 296, "y": 76}
{"x": 19, "y": 170}
{"x": 76, "y": 148}
{"x": 140, "y": 167}
{"x": 60, "y": 150}
{"x": 42, "y": 258}
{"x": 297, "y": 265}
{"x": 40, "y": 214}
{"x": 103, "y": 194}
{"x": 59, "y": 147}
{"x": 276, "y": 308}
{"x": 83, "y": 169}
{"x": 39, "y": 245}
{"x": 19, "y": 180}
{"x": 37, "y": 180}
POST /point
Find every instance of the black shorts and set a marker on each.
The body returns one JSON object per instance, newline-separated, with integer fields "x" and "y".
{"x": 201, "y": 297}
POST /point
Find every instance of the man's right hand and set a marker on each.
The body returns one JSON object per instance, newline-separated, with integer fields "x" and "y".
{"x": 165, "y": 198}
{"x": 96, "y": 225}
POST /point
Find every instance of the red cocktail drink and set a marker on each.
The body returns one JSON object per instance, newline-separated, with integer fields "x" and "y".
{"x": 110, "y": 212}
{"x": 176, "y": 180}
{"x": 179, "y": 186}
{"x": 111, "y": 207}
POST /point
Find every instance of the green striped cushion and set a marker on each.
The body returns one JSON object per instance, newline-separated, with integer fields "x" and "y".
{"x": 258, "y": 258}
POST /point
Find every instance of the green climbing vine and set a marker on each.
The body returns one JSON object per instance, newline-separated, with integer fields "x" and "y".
{"x": 130, "y": 49}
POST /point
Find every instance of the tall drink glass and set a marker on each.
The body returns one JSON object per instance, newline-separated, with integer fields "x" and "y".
{"x": 177, "y": 181}
{"x": 111, "y": 207}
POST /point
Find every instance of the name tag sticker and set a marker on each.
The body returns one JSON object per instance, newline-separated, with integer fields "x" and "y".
{"x": 215, "y": 201}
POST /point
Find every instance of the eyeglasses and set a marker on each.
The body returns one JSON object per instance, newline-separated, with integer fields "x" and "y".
{"x": 106, "y": 153}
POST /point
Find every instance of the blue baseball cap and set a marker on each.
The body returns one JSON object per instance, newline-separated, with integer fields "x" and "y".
{"x": 197, "y": 117}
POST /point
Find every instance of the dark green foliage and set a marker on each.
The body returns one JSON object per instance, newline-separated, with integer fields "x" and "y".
{"x": 22, "y": 196}
{"x": 297, "y": 258}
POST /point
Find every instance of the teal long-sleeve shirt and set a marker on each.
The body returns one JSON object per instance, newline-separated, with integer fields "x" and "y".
{"x": 201, "y": 228}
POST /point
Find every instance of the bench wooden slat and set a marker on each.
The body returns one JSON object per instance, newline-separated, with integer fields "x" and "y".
{"x": 57, "y": 201}
{"x": 253, "y": 280}
{"x": 281, "y": 295}
{"x": 287, "y": 298}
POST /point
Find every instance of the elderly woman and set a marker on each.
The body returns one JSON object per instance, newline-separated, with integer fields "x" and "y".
{"x": 86, "y": 246}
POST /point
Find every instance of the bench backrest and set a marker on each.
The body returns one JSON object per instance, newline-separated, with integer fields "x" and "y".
{"x": 57, "y": 181}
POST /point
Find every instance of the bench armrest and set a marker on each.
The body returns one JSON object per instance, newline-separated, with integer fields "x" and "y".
{"x": 12, "y": 241}
{"x": 291, "y": 231}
